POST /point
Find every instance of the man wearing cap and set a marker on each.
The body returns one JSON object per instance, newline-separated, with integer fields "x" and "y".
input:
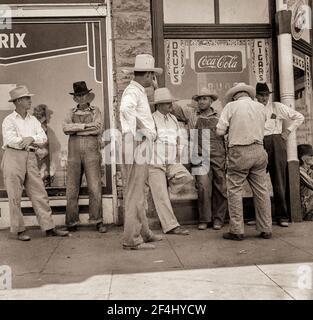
{"x": 139, "y": 132}
{"x": 244, "y": 120}
{"x": 275, "y": 146}
{"x": 163, "y": 168}
{"x": 305, "y": 155}
{"x": 83, "y": 124}
{"x": 22, "y": 135}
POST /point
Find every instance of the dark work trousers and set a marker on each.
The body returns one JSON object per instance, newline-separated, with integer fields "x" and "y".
{"x": 212, "y": 190}
{"x": 83, "y": 157}
{"x": 275, "y": 147}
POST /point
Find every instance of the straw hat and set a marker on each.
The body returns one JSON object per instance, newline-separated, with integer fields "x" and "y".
{"x": 163, "y": 95}
{"x": 205, "y": 92}
{"x": 145, "y": 63}
{"x": 19, "y": 92}
{"x": 238, "y": 87}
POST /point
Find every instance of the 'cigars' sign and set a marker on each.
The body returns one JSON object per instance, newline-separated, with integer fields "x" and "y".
{"x": 218, "y": 61}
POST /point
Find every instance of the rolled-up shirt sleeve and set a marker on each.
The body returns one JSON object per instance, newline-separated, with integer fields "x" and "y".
{"x": 290, "y": 114}
{"x": 223, "y": 122}
{"x": 11, "y": 138}
{"x": 40, "y": 136}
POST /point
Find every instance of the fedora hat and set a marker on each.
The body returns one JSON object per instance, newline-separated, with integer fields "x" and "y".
{"x": 80, "y": 88}
{"x": 262, "y": 88}
{"x": 19, "y": 92}
{"x": 145, "y": 63}
{"x": 304, "y": 150}
{"x": 238, "y": 87}
{"x": 163, "y": 95}
{"x": 205, "y": 92}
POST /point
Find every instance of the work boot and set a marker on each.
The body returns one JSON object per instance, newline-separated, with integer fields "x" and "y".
{"x": 179, "y": 231}
{"x": 251, "y": 223}
{"x": 155, "y": 238}
{"x": 101, "y": 227}
{"x": 56, "y": 233}
{"x": 233, "y": 236}
{"x": 202, "y": 226}
{"x": 283, "y": 223}
{"x": 217, "y": 226}
{"x": 142, "y": 246}
{"x": 266, "y": 235}
{"x": 22, "y": 236}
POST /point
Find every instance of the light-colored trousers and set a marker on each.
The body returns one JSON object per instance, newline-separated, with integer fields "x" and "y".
{"x": 161, "y": 199}
{"x": 20, "y": 168}
{"x": 248, "y": 162}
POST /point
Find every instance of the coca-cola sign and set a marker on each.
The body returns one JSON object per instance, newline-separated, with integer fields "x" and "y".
{"x": 218, "y": 61}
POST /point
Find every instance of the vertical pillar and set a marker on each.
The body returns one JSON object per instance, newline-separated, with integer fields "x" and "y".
{"x": 286, "y": 76}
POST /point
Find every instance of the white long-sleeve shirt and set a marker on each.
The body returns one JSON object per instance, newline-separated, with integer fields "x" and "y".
{"x": 15, "y": 128}
{"x": 135, "y": 105}
{"x": 276, "y": 113}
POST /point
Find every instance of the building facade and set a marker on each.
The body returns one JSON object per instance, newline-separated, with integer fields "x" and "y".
{"x": 48, "y": 45}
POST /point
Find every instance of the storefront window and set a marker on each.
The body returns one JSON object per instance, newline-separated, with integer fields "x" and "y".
{"x": 48, "y": 58}
{"x": 215, "y": 64}
{"x": 244, "y": 11}
{"x": 189, "y": 11}
{"x": 303, "y": 95}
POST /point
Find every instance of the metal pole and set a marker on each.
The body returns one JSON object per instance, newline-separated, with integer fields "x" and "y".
{"x": 287, "y": 97}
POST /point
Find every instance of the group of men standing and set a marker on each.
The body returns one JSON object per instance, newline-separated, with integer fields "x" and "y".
{"x": 255, "y": 143}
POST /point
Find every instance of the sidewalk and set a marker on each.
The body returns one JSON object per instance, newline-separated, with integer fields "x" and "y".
{"x": 89, "y": 265}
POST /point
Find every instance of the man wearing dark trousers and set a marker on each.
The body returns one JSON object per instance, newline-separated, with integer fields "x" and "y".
{"x": 275, "y": 145}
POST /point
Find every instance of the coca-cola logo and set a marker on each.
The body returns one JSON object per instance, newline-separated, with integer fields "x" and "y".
{"x": 218, "y": 61}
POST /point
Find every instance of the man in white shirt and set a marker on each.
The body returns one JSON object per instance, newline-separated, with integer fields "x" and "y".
{"x": 22, "y": 135}
{"x": 138, "y": 134}
{"x": 164, "y": 162}
{"x": 244, "y": 119}
{"x": 275, "y": 146}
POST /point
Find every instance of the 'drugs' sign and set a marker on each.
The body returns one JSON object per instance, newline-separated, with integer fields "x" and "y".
{"x": 218, "y": 61}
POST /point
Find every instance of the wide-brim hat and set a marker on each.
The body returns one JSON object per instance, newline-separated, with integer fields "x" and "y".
{"x": 239, "y": 87}
{"x": 205, "y": 92}
{"x": 80, "y": 88}
{"x": 262, "y": 88}
{"x": 19, "y": 92}
{"x": 144, "y": 63}
{"x": 163, "y": 95}
{"x": 304, "y": 150}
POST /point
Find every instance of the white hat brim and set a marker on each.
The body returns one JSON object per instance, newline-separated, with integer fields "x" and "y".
{"x": 213, "y": 96}
{"x": 246, "y": 88}
{"x": 164, "y": 101}
{"x": 22, "y": 96}
{"x": 156, "y": 70}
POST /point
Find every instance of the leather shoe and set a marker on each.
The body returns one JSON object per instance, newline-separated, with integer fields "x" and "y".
{"x": 283, "y": 223}
{"x": 155, "y": 238}
{"x": 56, "y": 233}
{"x": 179, "y": 231}
{"x": 141, "y": 246}
{"x": 251, "y": 223}
{"x": 217, "y": 226}
{"x": 202, "y": 226}
{"x": 22, "y": 236}
{"x": 233, "y": 236}
{"x": 102, "y": 228}
{"x": 266, "y": 235}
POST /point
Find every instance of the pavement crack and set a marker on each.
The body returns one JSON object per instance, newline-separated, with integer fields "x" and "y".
{"x": 279, "y": 286}
{"x": 177, "y": 256}
{"x": 291, "y": 244}
{"x": 50, "y": 256}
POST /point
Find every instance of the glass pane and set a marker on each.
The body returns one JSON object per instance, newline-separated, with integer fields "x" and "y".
{"x": 303, "y": 95}
{"x": 188, "y": 11}
{"x": 244, "y": 11}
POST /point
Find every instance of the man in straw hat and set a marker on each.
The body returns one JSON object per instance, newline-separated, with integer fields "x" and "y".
{"x": 22, "y": 134}
{"x": 244, "y": 119}
{"x": 275, "y": 146}
{"x": 305, "y": 155}
{"x": 135, "y": 114}
{"x": 84, "y": 125}
{"x": 164, "y": 168}
{"x": 211, "y": 184}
